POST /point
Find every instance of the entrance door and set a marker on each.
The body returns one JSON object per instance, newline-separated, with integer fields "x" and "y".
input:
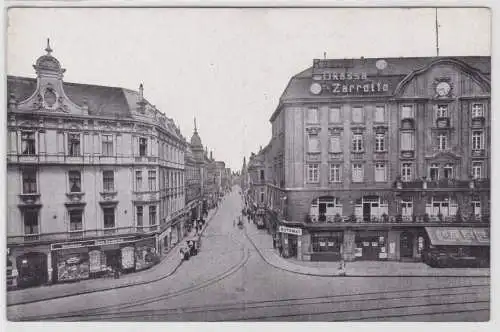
{"x": 366, "y": 211}
{"x": 406, "y": 245}
{"x": 32, "y": 268}
{"x": 293, "y": 245}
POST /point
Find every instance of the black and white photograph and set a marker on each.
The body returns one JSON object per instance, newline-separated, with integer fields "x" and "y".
{"x": 247, "y": 164}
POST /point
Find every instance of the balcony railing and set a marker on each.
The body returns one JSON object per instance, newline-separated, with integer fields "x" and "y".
{"x": 417, "y": 219}
{"x": 446, "y": 184}
{"x": 84, "y": 234}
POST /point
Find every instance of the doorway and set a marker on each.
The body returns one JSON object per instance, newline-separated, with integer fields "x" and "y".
{"x": 322, "y": 212}
{"x": 32, "y": 268}
{"x": 406, "y": 245}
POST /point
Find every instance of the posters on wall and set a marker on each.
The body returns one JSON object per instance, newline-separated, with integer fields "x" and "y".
{"x": 95, "y": 261}
{"x": 73, "y": 266}
{"x": 128, "y": 258}
{"x": 144, "y": 254}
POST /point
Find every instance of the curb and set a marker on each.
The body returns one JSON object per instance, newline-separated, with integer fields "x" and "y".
{"x": 115, "y": 287}
{"x": 349, "y": 275}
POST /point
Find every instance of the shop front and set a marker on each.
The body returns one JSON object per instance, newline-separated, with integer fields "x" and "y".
{"x": 370, "y": 245}
{"x": 457, "y": 247}
{"x": 326, "y": 246}
{"x": 71, "y": 264}
{"x": 290, "y": 243}
{"x": 145, "y": 254}
{"x": 31, "y": 269}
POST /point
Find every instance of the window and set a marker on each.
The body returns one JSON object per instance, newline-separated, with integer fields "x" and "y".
{"x": 406, "y": 172}
{"x": 152, "y": 180}
{"x": 152, "y": 215}
{"x": 357, "y": 114}
{"x": 380, "y": 142}
{"x": 442, "y": 111}
{"x": 29, "y": 181}
{"x": 139, "y": 210}
{"x": 477, "y": 170}
{"x": 30, "y": 222}
{"x": 327, "y": 241}
{"x": 334, "y": 173}
{"x": 28, "y": 143}
{"x": 313, "y": 173}
{"x": 75, "y": 181}
{"x": 407, "y": 142}
{"x": 357, "y": 143}
{"x": 477, "y": 140}
{"x": 138, "y": 180}
{"x": 335, "y": 144}
{"x": 442, "y": 141}
{"x": 448, "y": 171}
{"x": 262, "y": 175}
{"x": 75, "y": 220}
{"x": 313, "y": 144}
{"x": 108, "y": 180}
{"x": 109, "y": 217}
{"x": 107, "y": 145}
{"x": 380, "y": 175}
{"x": 406, "y": 112}
{"x": 334, "y": 115}
{"x": 357, "y": 173}
{"x": 143, "y": 146}
{"x": 406, "y": 207}
{"x": 312, "y": 115}
{"x": 434, "y": 172}
{"x": 379, "y": 114}
{"x": 74, "y": 145}
{"x": 262, "y": 195}
{"x": 477, "y": 110}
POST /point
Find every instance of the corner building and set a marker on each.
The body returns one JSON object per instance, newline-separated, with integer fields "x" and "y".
{"x": 95, "y": 178}
{"x": 368, "y": 156}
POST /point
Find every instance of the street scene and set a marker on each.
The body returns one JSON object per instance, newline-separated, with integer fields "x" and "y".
{"x": 199, "y": 183}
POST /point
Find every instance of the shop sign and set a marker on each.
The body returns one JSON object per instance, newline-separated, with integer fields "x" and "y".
{"x": 350, "y": 83}
{"x": 290, "y": 230}
{"x": 465, "y": 236}
{"x": 95, "y": 261}
{"x": 382, "y": 255}
{"x": 358, "y": 252}
{"x": 109, "y": 241}
{"x": 128, "y": 257}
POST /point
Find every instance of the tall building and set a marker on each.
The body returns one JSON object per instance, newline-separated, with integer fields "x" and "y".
{"x": 372, "y": 157}
{"x": 95, "y": 177}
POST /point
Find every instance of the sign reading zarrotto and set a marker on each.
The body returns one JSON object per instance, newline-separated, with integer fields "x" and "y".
{"x": 290, "y": 230}
{"x": 347, "y": 83}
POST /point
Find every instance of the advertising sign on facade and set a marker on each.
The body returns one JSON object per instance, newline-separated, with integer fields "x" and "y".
{"x": 128, "y": 258}
{"x": 95, "y": 261}
{"x": 290, "y": 230}
{"x": 458, "y": 236}
{"x": 73, "y": 267}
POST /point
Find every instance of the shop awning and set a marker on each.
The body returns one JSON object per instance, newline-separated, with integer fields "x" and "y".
{"x": 458, "y": 236}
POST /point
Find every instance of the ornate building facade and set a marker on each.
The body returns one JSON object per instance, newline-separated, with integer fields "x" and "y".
{"x": 95, "y": 178}
{"x": 367, "y": 155}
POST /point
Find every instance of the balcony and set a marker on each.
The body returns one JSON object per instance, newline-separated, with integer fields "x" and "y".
{"x": 395, "y": 220}
{"x": 446, "y": 184}
{"x": 443, "y": 123}
{"x": 478, "y": 122}
{"x": 80, "y": 234}
{"x": 478, "y": 153}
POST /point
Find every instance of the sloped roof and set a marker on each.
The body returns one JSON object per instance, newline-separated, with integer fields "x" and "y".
{"x": 395, "y": 71}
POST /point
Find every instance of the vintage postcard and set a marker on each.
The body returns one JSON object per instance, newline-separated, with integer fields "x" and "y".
{"x": 248, "y": 164}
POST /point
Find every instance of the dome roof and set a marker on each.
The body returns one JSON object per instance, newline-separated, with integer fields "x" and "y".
{"x": 196, "y": 140}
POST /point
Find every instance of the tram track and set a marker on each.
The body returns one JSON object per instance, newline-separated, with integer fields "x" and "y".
{"x": 368, "y": 302}
{"x": 165, "y": 296}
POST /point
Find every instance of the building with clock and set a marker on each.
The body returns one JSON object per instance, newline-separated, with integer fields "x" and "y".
{"x": 95, "y": 178}
{"x": 368, "y": 157}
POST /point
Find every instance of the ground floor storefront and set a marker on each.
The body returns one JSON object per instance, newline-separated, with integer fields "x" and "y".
{"x": 368, "y": 244}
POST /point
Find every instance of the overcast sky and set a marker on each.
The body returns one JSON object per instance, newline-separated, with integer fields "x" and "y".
{"x": 227, "y": 67}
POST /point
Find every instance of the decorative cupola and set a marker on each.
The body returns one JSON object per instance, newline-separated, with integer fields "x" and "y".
{"x": 50, "y": 95}
{"x": 141, "y": 102}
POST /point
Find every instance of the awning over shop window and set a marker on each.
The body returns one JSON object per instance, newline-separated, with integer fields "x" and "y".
{"x": 458, "y": 236}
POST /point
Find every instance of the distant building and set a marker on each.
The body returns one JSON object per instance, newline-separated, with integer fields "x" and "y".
{"x": 95, "y": 178}
{"x": 369, "y": 156}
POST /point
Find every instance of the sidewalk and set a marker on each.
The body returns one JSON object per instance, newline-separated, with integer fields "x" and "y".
{"x": 168, "y": 266}
{"x": 262, "y": 242}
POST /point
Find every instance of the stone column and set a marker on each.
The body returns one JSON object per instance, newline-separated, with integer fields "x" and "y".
{"x": 49, "y": 267}
{"x": 349, "y": 245}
